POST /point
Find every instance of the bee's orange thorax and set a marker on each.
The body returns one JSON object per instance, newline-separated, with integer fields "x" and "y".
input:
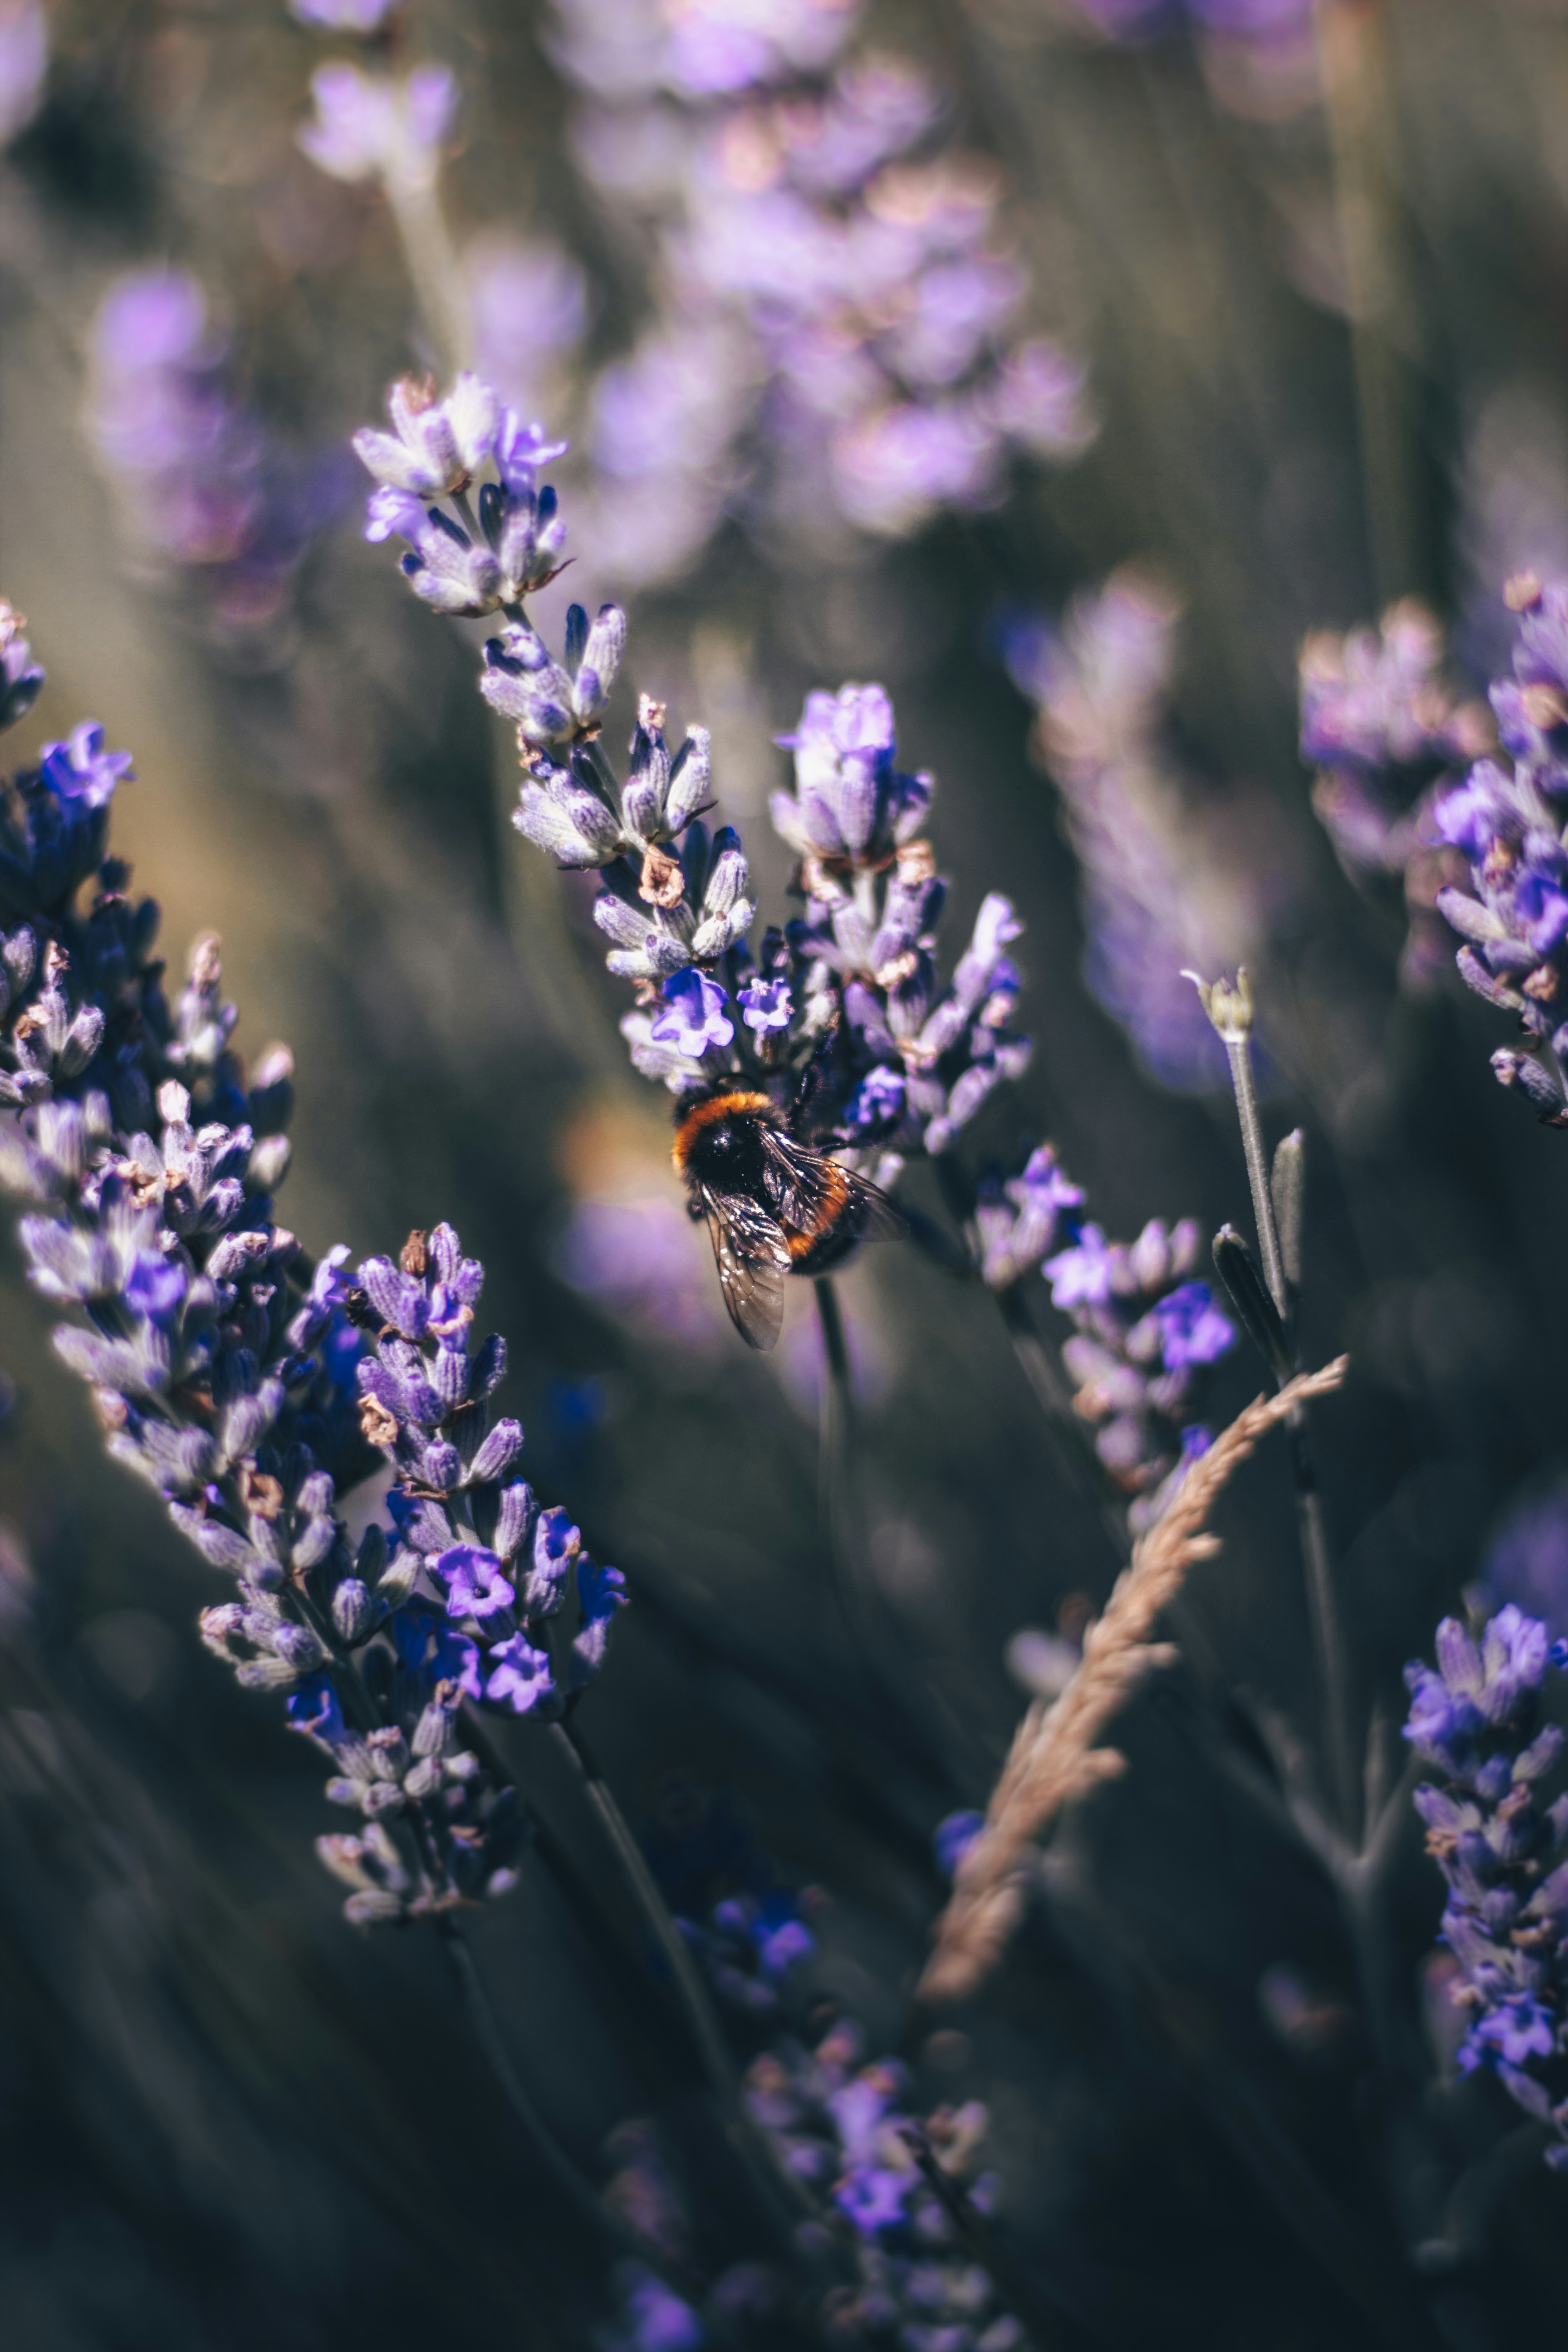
{"x": 705, "y": 1114}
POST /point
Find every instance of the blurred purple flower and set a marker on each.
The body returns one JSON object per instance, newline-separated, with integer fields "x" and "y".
{"x": 24, "y": 64}
{"x": 201, "y": 487}
{"x": 520, "y": 1677}
{"x": 1477, "y": 1720}
{"x": 1080, "y": 1276}
{"x": 367, "y": 127}
{"x": 1169, "y": 882}
{"x": 1527, "y": 1559}
{"x": 1192, "y": 1330}
{"x": 80, "y": 772}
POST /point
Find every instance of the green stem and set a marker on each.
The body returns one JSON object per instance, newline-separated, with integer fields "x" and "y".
{"x": 578, "y": 2190}
{"x": 782, "y": 2199}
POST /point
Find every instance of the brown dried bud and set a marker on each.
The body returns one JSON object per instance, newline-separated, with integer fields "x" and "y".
{"x": 1500, "y": 861}
{"x": 900, "y": 968}
{"x": 111, "y": 1408}
{"x": 419, "y": 393}
{"x": 1542, "y": 983}
{"x": 206, "y": 965}
{"x": 55, "y": 961}
{"x": 413, "y": 1257}
{"x": 261, "y": 1494}
{"x": 651, "y": 715}
{"x": 1521, "y": 591}
{"x": 916, "y": 862}
{"x": 663, "y": 883}
{"x": 378, "y": 1426}
{"x": 819, "y": 880}
{"x": 1543, "y": 706}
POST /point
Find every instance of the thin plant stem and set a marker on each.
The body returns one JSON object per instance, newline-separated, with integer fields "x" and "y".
{"x": 835, "y": 1417}
{"x": 840, "y": 1535}
{"x": 1328, "y": 1640}
{"x": 572, "y": 2183}
{"x": 435, "y": 274}
{"x": 783, "y": 2199}
{"x": 1050, "y": 2328}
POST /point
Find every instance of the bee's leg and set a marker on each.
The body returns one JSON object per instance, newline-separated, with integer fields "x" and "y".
{"x": 813, "y": 1082}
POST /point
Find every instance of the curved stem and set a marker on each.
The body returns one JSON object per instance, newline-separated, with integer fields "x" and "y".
{"x": 783, "y": 2199}
{"x": 574, "y": 2184}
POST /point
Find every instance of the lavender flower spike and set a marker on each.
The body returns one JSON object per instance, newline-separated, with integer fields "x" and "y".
{"x": 437, "y": 447}
{"x": 1476, "y": 1719}
{"x": 224, "y": 1368}
{"x": 1509, "y": 821}
{"x": 368, "y": 128}
{"x": 21, "y": 681}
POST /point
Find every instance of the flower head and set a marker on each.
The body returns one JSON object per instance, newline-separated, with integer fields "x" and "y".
{"x": 367, "y": 127}
{"x": 694, "y": 1021}
{"x": 1192, "y": 1330}
{"x": 437, "y": 445}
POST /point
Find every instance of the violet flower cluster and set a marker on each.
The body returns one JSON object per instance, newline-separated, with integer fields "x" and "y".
{"x": 1478, "y": 1718}
{"x": 233, "y": 1375}
{"x": 900, "y": 1059}
{"x": 1385, "y": 731}
{"x": 844, "y": 2128}
{"x": 1172, "y": 881}
{"x": 840, "y": 292}
{"x": 841, "y": 2128}
{"x": 1508, "y": 820}
{"x": 1146, "y": 1328}
{"x": 371, "y": 125}
{"x": 204, "y": 493}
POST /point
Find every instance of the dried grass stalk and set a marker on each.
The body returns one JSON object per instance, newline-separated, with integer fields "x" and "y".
{"x": 1053, "y": 1758}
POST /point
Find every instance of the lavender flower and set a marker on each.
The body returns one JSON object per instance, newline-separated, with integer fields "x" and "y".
{"x": 1019, "y": 1218}
{"x": 21, "y": 680}
{"x": 368, "y": 127}
{"x": 224, "y": 1368}
{"x": 361, "y": 17}
{"x": 846, "y": 326}
{"x": 202, "y": 489}
{"x": 528, "y": 306}
{"x": 1476, "y": 1719}
{"x": 1145, "y": 1329}
{"x": 1164, "y": 883}
{"x": 463, "y": 563}
{"x": 437, "y": 447}
{"x": 1527, "y": 1559}
{"x": 1507, "y": 821}
{"x": 916, "y": 1058}
{"x": 844, "y": 2128}
{"x": 1384, "y": 730}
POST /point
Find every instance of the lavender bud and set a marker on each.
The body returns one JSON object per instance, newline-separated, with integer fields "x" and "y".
{"x": 496, "y": 1453}
{"x": 353, "y": 1610}
{"x": 433, "y": 1733}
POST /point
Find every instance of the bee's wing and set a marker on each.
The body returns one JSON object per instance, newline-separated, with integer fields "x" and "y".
{"x": 752, "y": 1258}
{"x": 808, "y": 1189}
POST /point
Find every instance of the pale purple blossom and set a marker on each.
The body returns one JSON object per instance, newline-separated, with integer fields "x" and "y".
{"x": 694, "y": 1020}
{"x": 368, "y": 127}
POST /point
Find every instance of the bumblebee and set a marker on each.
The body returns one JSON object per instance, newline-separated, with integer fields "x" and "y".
{"x": 773, "y": 1204}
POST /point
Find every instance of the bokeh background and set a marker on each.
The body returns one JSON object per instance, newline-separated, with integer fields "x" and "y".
{"x": 1263, "y": 320}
